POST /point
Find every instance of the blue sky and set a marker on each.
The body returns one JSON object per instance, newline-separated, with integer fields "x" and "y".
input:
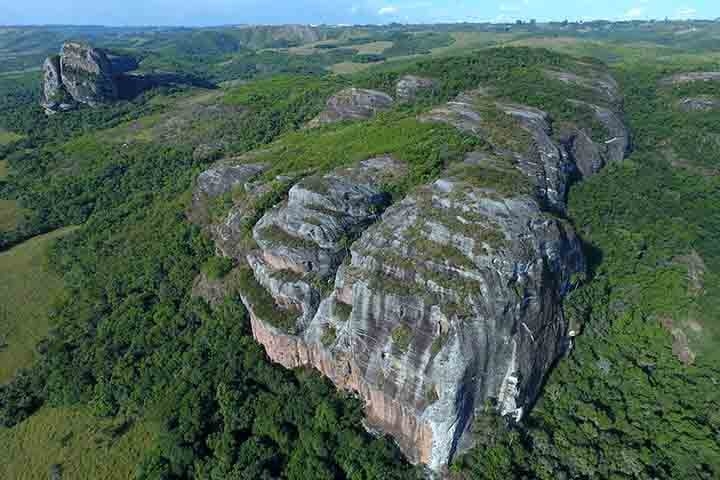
{"x": 217, "y": 12}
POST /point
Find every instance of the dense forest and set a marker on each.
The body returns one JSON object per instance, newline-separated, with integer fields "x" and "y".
{"x": 637, "y": 397}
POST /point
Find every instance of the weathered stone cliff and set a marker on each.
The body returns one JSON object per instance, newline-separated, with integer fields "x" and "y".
{"x": 442, "y": 304}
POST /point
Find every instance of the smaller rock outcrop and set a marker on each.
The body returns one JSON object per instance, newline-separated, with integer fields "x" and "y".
{"x": 602, "y": 84}
{"x": 409, "y": 87}
{"x": 687, "y": 77}
{"x": 352, "y": 104}
{"x": 699, "y": 104}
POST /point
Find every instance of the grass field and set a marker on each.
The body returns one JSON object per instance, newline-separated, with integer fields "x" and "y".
{"x": 3, "y": 169}
{"x": 8, "y": 137}
{"x": 347, "y": 68}
{"x": 372, "y": 48}
{"x": 27, "y": 291}
{"x": 84, "y": 446}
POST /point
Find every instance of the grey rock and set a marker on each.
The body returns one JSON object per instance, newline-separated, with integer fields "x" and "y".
{"x": 53, "y": 91}
{"x": 410, "y": 86}
{"x": 688, "y": 77}
{"x": 221, "y": 178}
{"x": 546, "y": 162}
{"x": 551, "y": 161}
{"x": 87, "y": 74}
{"x": 352, "y": 104}
{"x": 451, "y": 301}
{"x": 226, "y": 176}
{"x": 603, "y": 84}
{"x": 699, "y": 104}
{"x": 460, "y": 113}
{"x": 309, "y": 233}
{"x": 590, "y": 156}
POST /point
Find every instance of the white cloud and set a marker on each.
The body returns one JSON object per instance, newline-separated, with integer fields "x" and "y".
{"x": 635, "y": 12}
{"x": 685, "y": 12}
{"x": 388, "y": 10}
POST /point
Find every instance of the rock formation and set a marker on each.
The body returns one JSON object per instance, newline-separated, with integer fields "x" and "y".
{"x": 80, "y": 74}
{"x": 352, "y": 104}
{"x": 409, "y": 87}
{"x": 688, "y": 77}
{"x": 435, "y": 307}
{"x": 699, "y": 104}
{"x": 85, "y": 75}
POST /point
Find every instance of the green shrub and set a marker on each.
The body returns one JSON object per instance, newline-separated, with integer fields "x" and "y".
{"x": 216, "y": 268}
{"x": 402, "y": 336}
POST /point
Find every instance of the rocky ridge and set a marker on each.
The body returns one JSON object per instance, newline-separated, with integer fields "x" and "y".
{"x": 441, "y": 304}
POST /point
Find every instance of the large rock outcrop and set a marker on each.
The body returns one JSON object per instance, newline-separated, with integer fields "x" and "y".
{"x": 451, "y": 300}
{"x": 444, "y": 303}
{"x": 80, "y": 74}
{"x": 352, "y": 104}
{"x": 87, "y": 74}
{"x": 550, "y": 158}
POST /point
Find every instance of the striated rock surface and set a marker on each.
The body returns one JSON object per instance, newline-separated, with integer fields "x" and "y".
{"x": 410, "y": 86}
{"x": 590, "y": 156}
{"x": 54, "y": 94}
{"x": 451, "y": 301}
{"x": 439, "y": 306}
{"x": 87, "y": 74}
{"x": 699, "y": 104}
{"x": 352, "y": 104}
{"x": 688, "y": 77}
{"x": 550, "y": 159}
{"x": 601, "y": 83}
{"x": 539, "y": 157}
{"x": 224, "y": 178}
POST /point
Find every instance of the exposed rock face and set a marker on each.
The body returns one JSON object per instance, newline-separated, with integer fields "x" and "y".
{"x": 87, "y": 74}
{"x": 450, "y": 301}
{"x": 551, "y": 160}
{"x": 601, "y": 83}
{"x": 544, "y": 161}
{"x": 410, "y": 86}
{"x": 54, "y": 95}
{"x": 435, "y": 307}
{"x": 699, "y": 104}
{"x": 688, "y": 77}
{"x": 353, "y": 104}
{"x": 223, "y": 178}
{"x": 590, "y": 156}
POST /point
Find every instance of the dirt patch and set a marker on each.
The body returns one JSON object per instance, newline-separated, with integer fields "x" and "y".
{"x": 681, "y": 343}
{"x": 696, "y": 269}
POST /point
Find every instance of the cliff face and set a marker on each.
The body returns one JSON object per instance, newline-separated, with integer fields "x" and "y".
{"x": 80, "y": 74}
{"x": 438, "y": 306}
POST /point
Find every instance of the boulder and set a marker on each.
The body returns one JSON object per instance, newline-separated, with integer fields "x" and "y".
{"x": 699, "y": 104}
{"x": 409, "y": 87}
{"x": 352, "y": 104}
